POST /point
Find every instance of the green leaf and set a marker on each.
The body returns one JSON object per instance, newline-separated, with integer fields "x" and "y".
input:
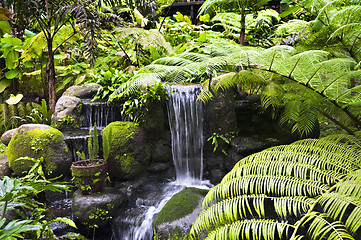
{"x": 290, "y": 11}
{"x": 205, "y": 18}
{"x": 179, "y": 17}
{"x": 202, "y": 38}
{"x": 12, "y": 73}
{"x": 11, "y": 58}
{"x": 5, "y": 27}
{"x": 65, "y": 220}
{"x": 4, "y": 84}
{"x": 12, "y": 41}
{"x": 107, "y": 75}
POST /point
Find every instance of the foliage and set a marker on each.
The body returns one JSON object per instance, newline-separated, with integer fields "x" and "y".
{"x": 12, "y": 116}
{"x": 260, "y": 26}
{"x": 19, "y": 194}
{"x": 3, "y": 148}
{"x": 136, "y": 104}
{"x": 215, "y": 137}
{"x": 109, "y": 81}
{"x": 309, "y": 188}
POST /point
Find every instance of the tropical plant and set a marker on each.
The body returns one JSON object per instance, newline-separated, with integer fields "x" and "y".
{"x": 305, "y": 190}
{"x": 20, "y": 194}
{"x": 239, "y": 6}
{"x": 11, "y": 116}
{"x": 136, "y": 104}
{"x": 51, "y": 16}
{"x": 259, "y": 26}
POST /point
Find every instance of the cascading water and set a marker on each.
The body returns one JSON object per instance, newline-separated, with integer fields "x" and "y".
{"x": 186, "y": 123}
{"x": 101, "y": 113}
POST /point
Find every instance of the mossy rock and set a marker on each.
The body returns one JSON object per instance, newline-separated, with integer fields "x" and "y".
{"x": 176, "y": 217}
{"x": 36, "y": 141}
{"x": 129, "y": 155}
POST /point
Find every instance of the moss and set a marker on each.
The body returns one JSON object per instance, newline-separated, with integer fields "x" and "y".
{"x": 128, "y": 155}
{"x": 34, "y": 143}
{"x": 180, "y": 205}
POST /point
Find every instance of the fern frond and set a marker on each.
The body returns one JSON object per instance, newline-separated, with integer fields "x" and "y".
{"x": 322, "y": 228}
{"x": 338, "y": 208}
{"x": 252, "y": 229}
{"x": 285, "y": 167}
{"x": 21, "y": 109}
{"x": 260, "y": 184}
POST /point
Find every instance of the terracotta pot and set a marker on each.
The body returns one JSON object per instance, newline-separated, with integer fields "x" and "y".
{"x": 89, "y": 175}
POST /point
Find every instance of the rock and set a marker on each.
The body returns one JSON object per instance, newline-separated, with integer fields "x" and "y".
{"x": 153, "y": 120}
{"x": 129, "y": 155}
{"x": 4, "y": 167}
{"x": 174, "y": 221}
{"x": 36, "y": 141}
{"x": 158, "y": 167}
{"x": 84, "y": 91}
{"x": 98, "y": 208}
{"x": 162, "y": 152}
{"x": 251, "y": 144}
{"x": 6, "y": 137}
{"x": 66, "y": 111}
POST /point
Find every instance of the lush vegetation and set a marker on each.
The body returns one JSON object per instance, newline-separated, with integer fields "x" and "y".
{"x": 304, "y": 63}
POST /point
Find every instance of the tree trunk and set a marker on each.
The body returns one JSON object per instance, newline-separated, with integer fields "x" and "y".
{"x": 242, "y": 34}
{"x": 51, "y": 75}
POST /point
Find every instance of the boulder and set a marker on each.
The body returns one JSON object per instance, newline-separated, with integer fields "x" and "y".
{"x": 6, "y": 137}
{"x": 97, "y": 209}
{"x": 4, "y": 167}
{"x": 66, "y": 111}
{"x": 84, "y": 91}
{"x": 39, "y": 141}
{"x": 129, "y": 155}
{"x": 174, "y": 221}
{"x": 161, "y": 151}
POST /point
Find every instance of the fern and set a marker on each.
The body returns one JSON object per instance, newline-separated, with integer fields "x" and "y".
{"x": 312, "y": 184}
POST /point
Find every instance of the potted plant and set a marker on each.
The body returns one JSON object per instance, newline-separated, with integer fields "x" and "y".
{"x": 90, "y": 174}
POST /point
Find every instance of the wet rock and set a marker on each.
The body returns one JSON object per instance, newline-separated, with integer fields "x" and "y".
{"x": 36, "y": 141}
{"x": 97, "y": 209}
{"x": 6, "y": 137}
{"x": 84, "y": 91}
{"x": 158, "y": 167}
{"x": 161, "y": 151}
{"x": 176, "y": 217}
{"x": 4, "y": 167}
{"x": 129, "y": 155}
{"x": 66, "y": 111}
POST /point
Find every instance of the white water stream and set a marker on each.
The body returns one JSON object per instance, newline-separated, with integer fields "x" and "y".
{"x": 186, "y": 124}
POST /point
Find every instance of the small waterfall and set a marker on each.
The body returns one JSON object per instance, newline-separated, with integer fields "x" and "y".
{"x": 186, "y": 124}
{"x": 102, "y": 113}
{"x": 77, "y": 141}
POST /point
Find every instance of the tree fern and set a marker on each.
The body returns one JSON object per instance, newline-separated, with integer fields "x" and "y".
{"x": 312, "y": 184}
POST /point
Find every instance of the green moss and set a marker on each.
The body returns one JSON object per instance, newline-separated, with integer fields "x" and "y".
{"x": 180, "y": 205}
{"x": 34, "y": 143}
{"x": 127, "y": 152}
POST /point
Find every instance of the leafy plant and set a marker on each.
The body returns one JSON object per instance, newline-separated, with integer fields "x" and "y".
{"x": 305, "y": 190}
{"x": 19, "y": 194}
{"x": 136, "y": 104}
{"x": 216, "y": 137}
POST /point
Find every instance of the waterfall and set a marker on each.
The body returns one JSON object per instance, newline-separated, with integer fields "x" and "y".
{"x": 185, "y": 116}
{"x": 101, "y": 113}
{"x": 186, "y": 124}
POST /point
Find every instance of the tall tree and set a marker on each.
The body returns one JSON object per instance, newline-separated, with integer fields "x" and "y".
{"x": 51, "y": 15}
